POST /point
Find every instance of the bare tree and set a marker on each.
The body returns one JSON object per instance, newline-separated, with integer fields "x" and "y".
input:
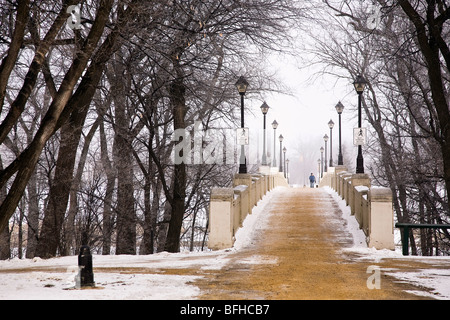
{"x": 400, "y": 103}
{"x": 23, "y": 166}
{"x": 155, "y": 67}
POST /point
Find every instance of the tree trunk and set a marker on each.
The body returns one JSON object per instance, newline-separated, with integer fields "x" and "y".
{"x": 49, "y": 240}
{"x": 33, "y": 217}
{"x": 4, "y": 235}
{"x": 177, "y": 92}
{"x": 163, "y": 227}
{"x": 5, "y": 249}
{"x": 69, "y": 247}
{"x": 110, "y": 183}
{"x": 146, "y": 246}
{"x": 126, "y": 215}
{"x": 123, "y": 160}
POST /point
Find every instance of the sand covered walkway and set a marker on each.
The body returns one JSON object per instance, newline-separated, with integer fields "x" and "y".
{"x": 300, "y": 257}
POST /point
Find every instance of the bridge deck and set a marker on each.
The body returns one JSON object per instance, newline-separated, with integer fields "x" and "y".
{"x": 300, "y": 256}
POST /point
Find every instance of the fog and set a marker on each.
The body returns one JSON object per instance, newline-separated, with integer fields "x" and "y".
{"x": 303, "y": 119}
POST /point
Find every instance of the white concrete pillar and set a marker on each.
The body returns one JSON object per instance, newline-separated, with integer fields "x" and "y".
{"x": 381, "y": 222}
{"x": 358, "y": 179}
{"x": 245, "y": 179}
{"x": 221, "y": 219}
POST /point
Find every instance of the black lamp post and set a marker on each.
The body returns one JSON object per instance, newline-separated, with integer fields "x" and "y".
{"x": 281, "y": 157}
{"x": 339, "y": 109}
{"x": 264, "y": 109}
{"x": 284, "y": 152}
{"x": 274, "y": 126}
{"x": 360, "y": 84}
{"x": 325, "y": 139}
{"x": 321, "y": 162}
{"x": 331, "y": 125}
{"x": 242, "y": 85}
{"x": 318, "y": 175}
{"x": 287, "y": 170}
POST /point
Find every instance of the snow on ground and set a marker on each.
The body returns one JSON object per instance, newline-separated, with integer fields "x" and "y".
{"x": 54, "y": 279}
{"x": 435, "y": 278}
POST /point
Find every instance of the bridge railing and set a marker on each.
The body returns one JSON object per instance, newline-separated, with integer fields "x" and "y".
{"x": 370, "y": 205}
{"x": 230, "y": 206}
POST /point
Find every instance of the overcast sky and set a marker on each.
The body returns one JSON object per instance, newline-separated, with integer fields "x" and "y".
{"x": 303, "y": 118}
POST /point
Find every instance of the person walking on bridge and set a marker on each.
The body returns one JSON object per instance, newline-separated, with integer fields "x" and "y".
{"x": 312, "y": 180}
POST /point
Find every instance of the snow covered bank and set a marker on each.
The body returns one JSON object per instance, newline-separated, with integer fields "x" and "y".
{"x": 436, "y": 277}
{"x": 54, "y": 278}
{"x": 125, "y": 276}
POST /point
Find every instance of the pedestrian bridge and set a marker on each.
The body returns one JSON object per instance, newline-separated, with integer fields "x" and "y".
{"x": 371, "y": 206}
{"x": 303, "y": 245}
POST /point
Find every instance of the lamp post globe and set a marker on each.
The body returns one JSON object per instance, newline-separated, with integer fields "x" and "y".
{"x": 359, "y": 84}
{"x": 241, "y": 85}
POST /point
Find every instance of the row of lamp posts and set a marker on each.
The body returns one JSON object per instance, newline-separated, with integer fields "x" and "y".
{"x": 242, "y": 85}
{"x": 282, "y": 151}
{"x": 359, "y": 84}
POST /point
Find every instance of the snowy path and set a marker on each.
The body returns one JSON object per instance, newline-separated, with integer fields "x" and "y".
{"x": 306, "y": 251}
{"x": 297, "y": 244}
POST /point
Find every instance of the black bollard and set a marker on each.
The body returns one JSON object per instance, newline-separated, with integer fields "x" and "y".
{"x": 85, "y": 266}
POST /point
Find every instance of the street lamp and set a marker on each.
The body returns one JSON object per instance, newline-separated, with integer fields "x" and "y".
{"x": 274, "y": 126}
{"x": 281, "y": 144}
{"x": 287, "y": 170}
{"x": 242, "y": 85}
{"x": 325, "y": 138}
{"x": 321, "y": 162}
{"x": 331, "y": 125}
{"x": 318, "y": 175}
{"x": 284, "y": 151}
{"x": 359, "y": 83}
{"x": 339, "y": 109}
{"x": 264, "y": 109}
